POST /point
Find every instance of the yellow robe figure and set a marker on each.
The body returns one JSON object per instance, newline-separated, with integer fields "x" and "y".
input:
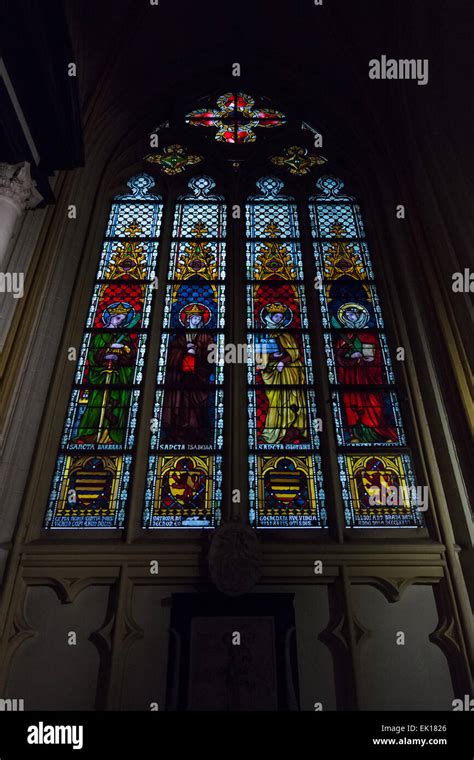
{"x": 286, "y": 417}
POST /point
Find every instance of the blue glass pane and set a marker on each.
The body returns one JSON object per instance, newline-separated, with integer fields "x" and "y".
{"x": 350, "y": 305}
{"x": 266, "y": 220}
{"x": 203, "y": 220}
{"x": 126, "y": 217}
{"x": 194, "y": 305}
{"x": 201, "y": 213}
{"x": 325, "y": 217}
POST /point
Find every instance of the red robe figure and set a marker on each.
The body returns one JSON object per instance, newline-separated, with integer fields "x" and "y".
{"x": 368, "y": 414}
{"x": 186, "y": 409}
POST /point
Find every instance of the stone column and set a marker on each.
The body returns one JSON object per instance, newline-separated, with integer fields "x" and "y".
{"x": 17, "y": 193}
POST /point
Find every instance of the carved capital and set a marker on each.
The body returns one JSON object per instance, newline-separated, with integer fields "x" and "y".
{"x": 17, "y": 186}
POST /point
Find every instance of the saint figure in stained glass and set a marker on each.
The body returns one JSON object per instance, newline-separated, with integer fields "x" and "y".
{"x": 368, "y": 417}
{"x": 347, "y": 313}
{"x": 111, "y": 360}
{"x": 189, "y": 374}
{"x": 359, "y": 359}
{"x": 283, "y": 374}
{"x": 184, "y": 490}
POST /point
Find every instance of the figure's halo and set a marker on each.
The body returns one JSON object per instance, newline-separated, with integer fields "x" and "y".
{"x": 194, "y": 308}
{"x": 118, "y": 307}
{"x": 277, "y": 307}
{"x": 361, "y": 322}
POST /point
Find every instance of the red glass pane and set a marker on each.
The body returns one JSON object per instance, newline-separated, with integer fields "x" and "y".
{"x": 267, "y": 296}
{"x": 359, "y": 358}
{"x": 119, "y": 299}
{"x": 243, "y": 135}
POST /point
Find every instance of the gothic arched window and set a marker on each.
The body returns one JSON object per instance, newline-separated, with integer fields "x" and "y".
{"x": 293, "y": 250}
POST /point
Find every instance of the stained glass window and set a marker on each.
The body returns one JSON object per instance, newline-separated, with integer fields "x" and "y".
{"x": 235, "y": 117}
{"x": 183, "y": 486}
{"x": 92, "y": 474}
{"x": 286, "y": 487}
{"x": 184, "y": 481}
{"x": 377, "y": 485}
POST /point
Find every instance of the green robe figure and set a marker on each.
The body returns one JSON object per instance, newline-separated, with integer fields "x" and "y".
{"x": 111, "y": 358}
